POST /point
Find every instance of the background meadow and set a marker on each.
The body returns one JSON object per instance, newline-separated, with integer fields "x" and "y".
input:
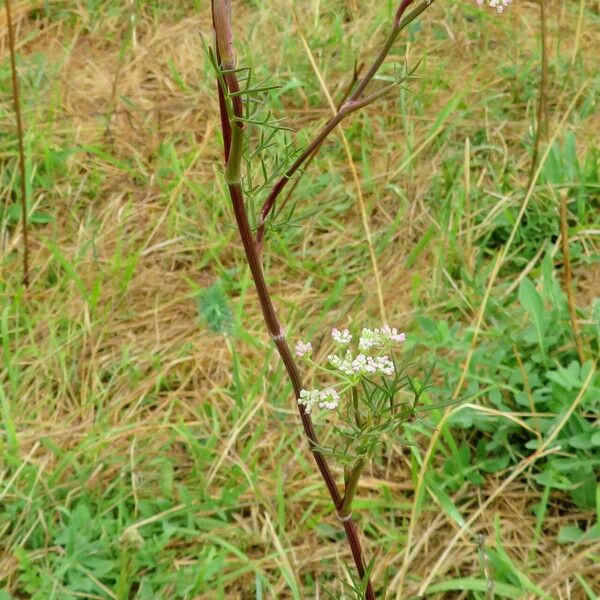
{"x": 149, "y": 443}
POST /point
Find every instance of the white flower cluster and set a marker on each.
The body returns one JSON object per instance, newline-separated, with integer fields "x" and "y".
{"x": 342, "y": 338}
{"x": 353, "y": 366}
{"x": 377, "y": 338}
{"x": 303, "y": 349}
{"x": 362, "y": 364}
{"x": 327, "y": 398}
{"x": 499, "y": 5}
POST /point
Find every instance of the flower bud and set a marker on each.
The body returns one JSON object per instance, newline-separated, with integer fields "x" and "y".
{"x": 131, "y": 539}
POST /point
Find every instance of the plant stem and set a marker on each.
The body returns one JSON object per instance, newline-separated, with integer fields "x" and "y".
{"x": 564, "y": 234}
{"x": 387, "y": 46}
{"x": 17, "y": 107}
{"x": 351, "y": 487}
{"x": 278, "y": 337}
{"x": 354, "y": 102}
{"x": 290, "y": 192}
{"x": 357, "y": 417}
{"x": 122, "y": 584}
{"x": 233, "y": 152}
{"x": 542, "y": 109}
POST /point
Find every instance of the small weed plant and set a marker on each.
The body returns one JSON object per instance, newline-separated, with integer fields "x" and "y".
{"x": 363, "y": 384}
{"x": 150, "y": 445}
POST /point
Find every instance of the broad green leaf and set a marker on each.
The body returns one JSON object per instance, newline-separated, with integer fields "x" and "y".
{"x": 40, "y": 218}
{"x": 569, "y": 534}
{"x": 532, "y": 302}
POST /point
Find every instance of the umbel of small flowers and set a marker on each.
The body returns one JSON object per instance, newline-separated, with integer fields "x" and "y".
{"x": 499, "y": 5}
{"x": 370, "y": 359}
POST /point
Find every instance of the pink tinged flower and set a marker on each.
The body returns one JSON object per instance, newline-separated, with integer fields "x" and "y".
{"x": 309, "y": 398}
{"x": 344, "y": 364}
{"x": 371, "y": 338}
{"x": 368, "y": 339}
{"x": 359, "y": 364}
{"x": 303, "y": 349}
{"x": 391, "y": 334}
{"x": 342, "y": 337}
{"x": 329, "y": 399}
{"x": 385, "y": 366}
{"x": 499, "y": 5}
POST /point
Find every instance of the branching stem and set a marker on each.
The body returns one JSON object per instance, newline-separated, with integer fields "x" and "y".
{"x": 355, "y": 102}
{"x": 347, "y": 91}
{"x": 232, "y": 115}
{"x": 233, "y": 147}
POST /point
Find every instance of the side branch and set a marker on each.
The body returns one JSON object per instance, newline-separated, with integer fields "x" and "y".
{"x": 355, "y": 100}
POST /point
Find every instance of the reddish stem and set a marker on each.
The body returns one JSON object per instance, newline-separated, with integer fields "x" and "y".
{"x": 233, "y": 140}
{"x": 400, "y": 22}
{"x": 278, "y": 336}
